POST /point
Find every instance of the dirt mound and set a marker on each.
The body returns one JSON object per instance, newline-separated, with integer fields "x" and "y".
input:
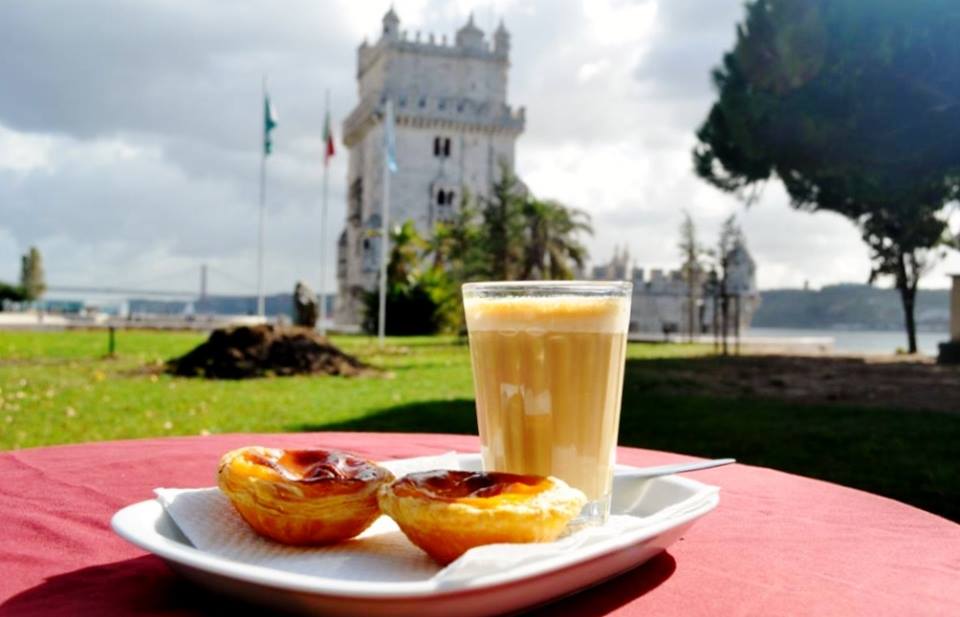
{"x": 256, "y": 351}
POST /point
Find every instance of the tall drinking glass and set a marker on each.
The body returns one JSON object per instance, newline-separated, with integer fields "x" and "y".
{"x": 548, "y": 362}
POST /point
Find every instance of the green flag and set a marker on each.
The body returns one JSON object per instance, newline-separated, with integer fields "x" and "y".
{"x": 269, "y": 123}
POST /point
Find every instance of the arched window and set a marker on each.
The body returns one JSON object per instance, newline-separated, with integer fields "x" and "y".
{"x": 441, "y": 198}
{"x": 436, "y": 146}
{"x": 446, "y": 147}
{"x": 371, "y": 244}
{"x": 449, "y": 198}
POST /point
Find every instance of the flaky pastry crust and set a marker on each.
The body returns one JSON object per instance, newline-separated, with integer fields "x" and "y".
{"x": 446, "y": 513}
{"x": 302, "y": 497}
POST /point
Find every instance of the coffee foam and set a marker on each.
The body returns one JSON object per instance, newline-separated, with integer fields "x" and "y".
{"x": 548, "y": 314}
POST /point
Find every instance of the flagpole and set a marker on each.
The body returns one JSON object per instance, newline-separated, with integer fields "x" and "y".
{"x": 323, "y": 223}
{"x": 384, "y": 226}
{"x": 263, "y": 196}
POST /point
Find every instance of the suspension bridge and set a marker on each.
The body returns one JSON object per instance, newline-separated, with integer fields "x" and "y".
{"x": 154, "y": 287}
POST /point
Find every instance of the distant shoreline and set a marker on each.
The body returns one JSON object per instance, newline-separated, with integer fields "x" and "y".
{"x": 856, "y": 341}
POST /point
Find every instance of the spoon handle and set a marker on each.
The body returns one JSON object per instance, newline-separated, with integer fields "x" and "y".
{"x": 666, "y": 470}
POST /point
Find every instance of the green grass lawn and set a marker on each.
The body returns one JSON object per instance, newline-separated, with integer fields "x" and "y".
{"x": 59, "y": 388}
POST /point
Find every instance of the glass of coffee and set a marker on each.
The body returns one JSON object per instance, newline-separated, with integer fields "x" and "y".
{"x": 548, "y": 360}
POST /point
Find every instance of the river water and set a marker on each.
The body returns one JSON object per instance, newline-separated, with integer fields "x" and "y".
{"x": 862, "y": 341}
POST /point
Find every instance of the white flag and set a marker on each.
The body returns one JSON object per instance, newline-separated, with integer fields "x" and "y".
{"x": 389, "y": 138}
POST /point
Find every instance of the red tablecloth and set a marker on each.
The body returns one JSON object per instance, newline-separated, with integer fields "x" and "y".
{"x": 777, "y": 545}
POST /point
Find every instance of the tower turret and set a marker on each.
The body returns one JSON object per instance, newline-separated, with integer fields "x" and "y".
{"x": 501, "y": 40}
{"x": 391, "y": 25}
{"x": 470, "y": 36}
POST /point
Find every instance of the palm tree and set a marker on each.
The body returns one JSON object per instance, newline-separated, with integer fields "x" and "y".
{"x": 404, "y": 264}
{"x": 503, "y": 225}
{"x": 456, "y": 244}
{"x": 553, "y": 249}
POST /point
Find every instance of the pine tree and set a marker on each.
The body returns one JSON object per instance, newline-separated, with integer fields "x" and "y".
{"x": 852, "y": 106}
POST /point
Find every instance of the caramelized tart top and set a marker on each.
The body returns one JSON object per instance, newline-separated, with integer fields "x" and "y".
{"x": 479, "y": 489}
{"x": 310, "y": 466}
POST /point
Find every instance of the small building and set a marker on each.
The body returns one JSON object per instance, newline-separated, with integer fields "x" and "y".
{"x": 661, "y": 300}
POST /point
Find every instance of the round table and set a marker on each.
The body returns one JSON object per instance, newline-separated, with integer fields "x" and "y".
{"x": 778, "y": 544}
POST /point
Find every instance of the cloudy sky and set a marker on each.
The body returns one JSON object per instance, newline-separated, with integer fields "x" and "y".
{"x": 130, "y": 132}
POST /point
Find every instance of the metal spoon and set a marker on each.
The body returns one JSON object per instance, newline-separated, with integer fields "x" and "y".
{"x": 666, "y": 470}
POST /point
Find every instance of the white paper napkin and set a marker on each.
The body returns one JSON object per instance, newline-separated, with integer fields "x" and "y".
{"x": 497, "y": 558}
{"x": 381, "y": 553}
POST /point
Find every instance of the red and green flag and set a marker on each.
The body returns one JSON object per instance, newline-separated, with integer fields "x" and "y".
{"x": 329, "y": 149}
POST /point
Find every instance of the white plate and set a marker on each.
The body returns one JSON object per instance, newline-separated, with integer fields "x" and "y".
{"x": 147, "y": 525}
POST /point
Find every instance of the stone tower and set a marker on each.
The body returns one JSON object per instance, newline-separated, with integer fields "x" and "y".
{"x": 454, "y": 128}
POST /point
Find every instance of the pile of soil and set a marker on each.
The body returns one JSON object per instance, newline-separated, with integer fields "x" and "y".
{"x": 257, "y": 351}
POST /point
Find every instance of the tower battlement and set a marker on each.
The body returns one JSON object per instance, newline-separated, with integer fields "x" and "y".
{"x": 411, "y": 67}
{"x": 430, "y": 44}
{"x": 469, "y": 41}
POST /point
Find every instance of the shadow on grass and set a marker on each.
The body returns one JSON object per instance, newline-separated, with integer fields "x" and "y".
{"x": 451, "y": 416}
{"x": 906, "y": 455}
{"x": 883, "y": 382}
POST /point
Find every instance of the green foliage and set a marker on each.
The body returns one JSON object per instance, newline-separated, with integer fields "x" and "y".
{"x": 457, "y": 245}
{"x": 509, "y": 235}
{"x": 504, "y": 226}
{"x": 419, "y": 300}
{"x": 553, "y": 248}
{"x": 853, "y": 106}
{"x": 11, "y": 293}
{"x": 32, "y": 281}
{"x": 521, "y": 237}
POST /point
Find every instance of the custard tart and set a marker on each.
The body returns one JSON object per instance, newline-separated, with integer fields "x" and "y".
{"x": 446, "y": 513}
{"x": 302, "y": 497}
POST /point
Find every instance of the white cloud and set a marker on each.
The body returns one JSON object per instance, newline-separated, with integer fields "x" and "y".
{"x": 23, "y": 153}
{"x": 133, "y": 155}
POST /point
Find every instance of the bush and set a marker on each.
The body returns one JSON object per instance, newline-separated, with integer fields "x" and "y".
{"x": 11, "y": 293}
{"x": 427, "y": 305}
{"x": 421, "y": 299}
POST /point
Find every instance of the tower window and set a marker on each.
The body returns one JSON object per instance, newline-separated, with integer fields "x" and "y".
{"x": 443, "y": 211}
{"x": 441, "y": 147}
